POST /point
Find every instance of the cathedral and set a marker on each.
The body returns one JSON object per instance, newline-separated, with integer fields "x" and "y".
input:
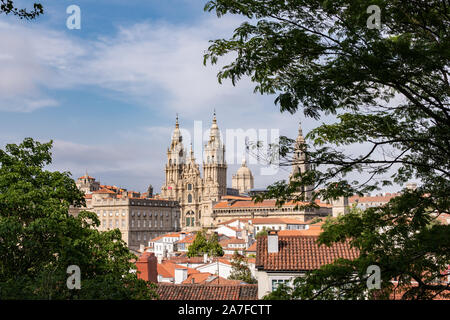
{"x": 201, "y": 197}
{"x": 184, "y": 183}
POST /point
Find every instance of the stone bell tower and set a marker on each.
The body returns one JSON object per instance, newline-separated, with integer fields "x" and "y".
{"x": 214, "y": 165}
{"x": 300, "y": 163}
{"x": 176, "y": 159}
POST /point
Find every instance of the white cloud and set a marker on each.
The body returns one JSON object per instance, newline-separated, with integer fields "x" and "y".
{"x": 154, "y": 64}
{"x": 32, "y": 60}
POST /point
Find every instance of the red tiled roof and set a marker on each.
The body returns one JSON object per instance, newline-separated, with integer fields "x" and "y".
{"x": 188, "y": 239}
{"x": 225, "y": 261}
{"x": 185, "y": 259}
{"x": 306, "y": 232}
{"x": 197, "y": 278}
{"x": 236, "y": 198}
{"x": 223, "y": 281}
{"x": 207, "y": 292}
{"x": 276, "y": 221}
{"x": 263, "y": 204}
{"x": 397, "y": 294}
{"x": 300, "y": 253}
{"x": 209, "y": 278}
{"x": 444, "y": 218}
{"x": 167, "y": 269}
{"x": 383, "y": 198}
{"x": 84, "y": 177}
{"x": 313, "y": 230}
{"x": 232, "y": 220}
{"x": 104, "y": 190}
{"x": 168, "y": 235}
{"x": 252, "y": 248}
{"x": 233, "y": 240}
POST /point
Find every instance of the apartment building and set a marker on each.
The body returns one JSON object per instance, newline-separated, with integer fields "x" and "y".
{"x": 139, "y": 217}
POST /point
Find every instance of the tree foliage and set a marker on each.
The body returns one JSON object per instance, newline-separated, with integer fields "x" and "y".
{"x": 39, "y": 239}
{"x": 202, "y": 245}
{"x": 389, "y": 90}
{"x": 8, "y": 7}
{"x": 411, "y": 249}
{"x": 262, "y": 233}
{"x": 240, "y": 269}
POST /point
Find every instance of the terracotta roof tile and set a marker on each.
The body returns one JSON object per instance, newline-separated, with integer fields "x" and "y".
{"x": 232, "y": 240}
{"x": 188, "y": 239}
{"x": 167, "y": 269}
{"x": 383, "y": 198}
{"x": 300, "y": 253}
{"x": 276, "y": 221}
{"x": 185, "y": 259}
{"x": 252, "y": 248}
{"x": 207, "y": 292}
{"x": 244, "y": 220}
{"x": 236, "y": 198}
{"x": 168, "y": 235}
{"x": 88, "y": 177}
{"x": 263, "y": 204}
{"x": 104, "y": 190}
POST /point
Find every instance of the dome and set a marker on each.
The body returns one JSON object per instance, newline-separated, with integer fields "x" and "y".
{"x": 244, "y": 170}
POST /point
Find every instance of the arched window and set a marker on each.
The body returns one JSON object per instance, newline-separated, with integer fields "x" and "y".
{"x": 189, "y": 186}
{"x": 188, "y": 221}
{"x": 189, "y": 198}
{"x": 170, "y": 162}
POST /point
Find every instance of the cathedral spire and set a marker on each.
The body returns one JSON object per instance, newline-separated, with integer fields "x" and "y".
{"x": 214, "y": 134}
{"x": 177, "y": 125}
{"x": 192, "y": 153}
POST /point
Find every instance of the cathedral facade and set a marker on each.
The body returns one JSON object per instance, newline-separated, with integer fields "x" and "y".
{"x": 185, "y": 184}
{"x": 203, "y": 199}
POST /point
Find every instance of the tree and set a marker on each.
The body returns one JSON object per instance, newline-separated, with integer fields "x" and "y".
{"x": 8, "y": 7}
{"x": 39, "y": 240}
{"x": 240, "y": 269}
{"x": 407, "y": 247}
{"x": 389, "y": 90}
{"x": 202, "y": 245}
{"x": 262, "y": 233}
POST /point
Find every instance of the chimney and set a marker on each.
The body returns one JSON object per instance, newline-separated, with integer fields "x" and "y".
{"x": 182, "y": 235}
{"x": 272, "y": 241}
{"x": 245, "y": 238}
{"x": 141, "y": 247}
{"x": 180, "y": 275}
{"x": 205, "y": 258}
{"x": 146, "y": 267}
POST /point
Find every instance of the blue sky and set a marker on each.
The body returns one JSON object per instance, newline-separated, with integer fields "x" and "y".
{"x": 107, "y": 94}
